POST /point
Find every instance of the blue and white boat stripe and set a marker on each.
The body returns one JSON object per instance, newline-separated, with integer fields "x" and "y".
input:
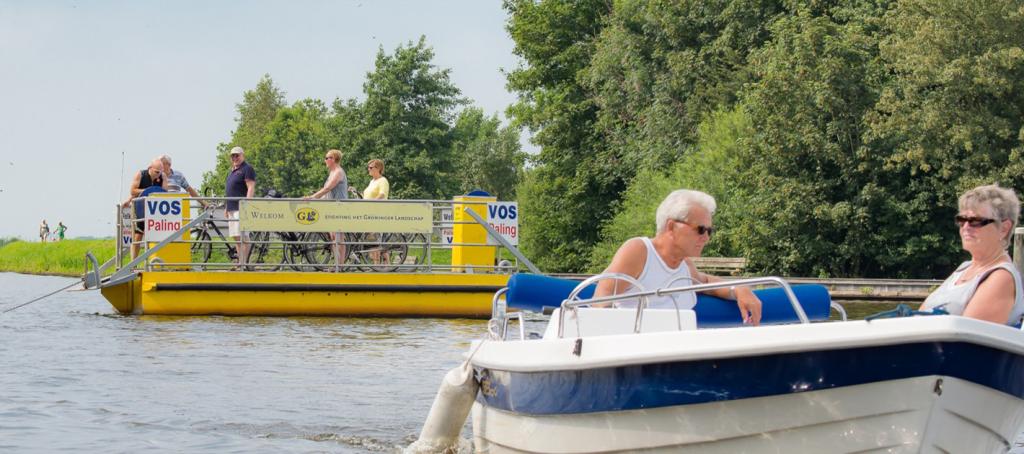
{"x": 643, "y": 386}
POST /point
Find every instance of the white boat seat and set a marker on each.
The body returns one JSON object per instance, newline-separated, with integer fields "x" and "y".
{"x": 609, "y": 321}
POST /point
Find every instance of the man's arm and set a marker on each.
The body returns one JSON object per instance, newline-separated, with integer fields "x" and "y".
{"x": 747, "y": 302}
{"x": 134, "y": 188}
{"x": 628, "y": 260}
{"x": 332, "y": 180}
{"x": 250, "y": 190}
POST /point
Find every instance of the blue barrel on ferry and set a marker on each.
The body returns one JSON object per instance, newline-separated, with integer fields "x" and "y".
{"x": 533, "y": 292}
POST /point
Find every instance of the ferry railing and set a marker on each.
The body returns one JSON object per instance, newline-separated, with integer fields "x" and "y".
{"x": 420, "y": 248}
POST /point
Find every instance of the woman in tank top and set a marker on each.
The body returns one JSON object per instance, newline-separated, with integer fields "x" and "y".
{"x": 987, "y": 287}
{"x": 335, "y": 188}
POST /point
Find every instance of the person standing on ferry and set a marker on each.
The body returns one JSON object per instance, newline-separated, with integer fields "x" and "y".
{"x": 335, "y": 188}
{"x": 683, "y": 228}
{"x": 988, "y": 286}
{"x": 241, "y": 182}
{"x": 379, "y": 188}
{"x": 145, "y": 179}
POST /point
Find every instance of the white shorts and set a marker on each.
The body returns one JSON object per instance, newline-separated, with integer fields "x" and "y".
{"x": 233, "y": 230}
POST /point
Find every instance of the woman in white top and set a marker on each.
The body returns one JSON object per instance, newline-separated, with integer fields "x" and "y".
{"x": 988, "y": 287}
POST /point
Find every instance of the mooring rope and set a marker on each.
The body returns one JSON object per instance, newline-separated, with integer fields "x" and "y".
{"x": 42, "y": 297}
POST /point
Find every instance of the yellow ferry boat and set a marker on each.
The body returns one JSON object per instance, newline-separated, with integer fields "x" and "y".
{"x": 191, "y": 267}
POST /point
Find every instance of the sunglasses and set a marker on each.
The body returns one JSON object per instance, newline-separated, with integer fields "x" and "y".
{"x": 973, "y": 221}
{"x": 701, "y": 229}
{"x": 235, "y": 156}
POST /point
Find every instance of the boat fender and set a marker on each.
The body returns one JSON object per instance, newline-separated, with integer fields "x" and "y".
{"x": 442, "y": 429}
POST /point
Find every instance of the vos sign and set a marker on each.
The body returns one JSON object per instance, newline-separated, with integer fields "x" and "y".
{"x": 504, "y": 219}
{"x": 162, "y": 218}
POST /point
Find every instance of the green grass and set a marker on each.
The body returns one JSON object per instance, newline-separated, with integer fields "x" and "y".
{"x": 66, "y": 258}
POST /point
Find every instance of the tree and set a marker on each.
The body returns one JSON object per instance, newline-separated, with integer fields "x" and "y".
{"x": 568, "y": 192}
{"x": 258, "y": 108}
{"x": 289, "y": 158}
{"x": 405, "y": 121}
{"x": 488, "y": 156}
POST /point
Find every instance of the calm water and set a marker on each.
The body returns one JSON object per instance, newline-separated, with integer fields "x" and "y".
{"x": 76, "y": 377}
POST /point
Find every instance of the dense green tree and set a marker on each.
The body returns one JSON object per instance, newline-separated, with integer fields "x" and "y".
{"x": 289, "y": 157}
{"x": 568, "y": 191}
{"x": 258, "y": 108}
{"x": 950, "y": 117}
{"x": 487, "y": 155}
{"x": 660, "y": 67}
{"x": 405, "y": 121}
{"x": 717, "y": 170}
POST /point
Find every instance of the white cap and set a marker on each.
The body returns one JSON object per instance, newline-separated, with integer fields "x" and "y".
{"x": 237, "y": 150}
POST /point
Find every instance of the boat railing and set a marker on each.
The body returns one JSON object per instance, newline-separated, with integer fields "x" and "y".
{"x": 641, "y": 296}
{"x": 206, "y": 245}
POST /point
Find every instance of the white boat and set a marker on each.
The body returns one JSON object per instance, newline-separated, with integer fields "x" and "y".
{"x": 612, "y": 380}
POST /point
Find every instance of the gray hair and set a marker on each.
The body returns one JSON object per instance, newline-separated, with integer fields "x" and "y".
{"x": 1003, "y": 201}
{"x": 677, "y": 206}
{"x": 166, "y": 159}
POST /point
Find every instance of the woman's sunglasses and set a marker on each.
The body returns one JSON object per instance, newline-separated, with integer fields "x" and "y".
{"x": 973, "y": 221}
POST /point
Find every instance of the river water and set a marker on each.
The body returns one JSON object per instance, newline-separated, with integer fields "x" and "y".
{"x": 77, "y": 377}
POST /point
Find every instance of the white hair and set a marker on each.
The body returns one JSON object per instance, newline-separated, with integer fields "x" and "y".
{"x": 677, "y": 206}
{"x": 166, "y": 159}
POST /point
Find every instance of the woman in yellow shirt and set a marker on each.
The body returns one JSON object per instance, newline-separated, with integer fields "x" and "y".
{"x": 378, "y": 187}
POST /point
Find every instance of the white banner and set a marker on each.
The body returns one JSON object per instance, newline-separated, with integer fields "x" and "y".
{"x": 162, "y": 217}
{"x": 504, "y": 218}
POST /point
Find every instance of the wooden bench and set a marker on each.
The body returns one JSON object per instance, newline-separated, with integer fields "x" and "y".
{"x": 719, "y": 265}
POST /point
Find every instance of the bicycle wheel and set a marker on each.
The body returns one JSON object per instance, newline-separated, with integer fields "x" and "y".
{"x": 360, "y": 245}
{"x": 391, "y": 252}
{"x": 293, "y": 253}
{"x": 317, "y": 250}
{"x": 416, "y": 255}
{"x": 265, "y": 253}
{"x": 201, "y": 248}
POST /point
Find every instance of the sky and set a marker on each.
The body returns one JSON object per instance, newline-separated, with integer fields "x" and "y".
{"x": 91, "y": 91}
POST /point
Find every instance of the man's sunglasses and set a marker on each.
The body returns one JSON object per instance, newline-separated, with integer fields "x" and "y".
{"x": 701, "y": 229}
{"x": 973, "y": 221}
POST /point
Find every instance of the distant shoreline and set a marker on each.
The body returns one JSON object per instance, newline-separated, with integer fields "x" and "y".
{"x": 60, "y": 258}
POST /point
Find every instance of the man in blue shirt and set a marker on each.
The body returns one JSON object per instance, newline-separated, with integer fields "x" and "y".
{"x": 241, "y": 182}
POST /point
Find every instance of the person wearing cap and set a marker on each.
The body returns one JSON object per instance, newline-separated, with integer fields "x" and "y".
{"x": 241, "y": 182}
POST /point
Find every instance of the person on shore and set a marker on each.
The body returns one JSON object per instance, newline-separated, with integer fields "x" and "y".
{"x": 683, "y": 228}
{"x": 988, "y": 286}
{"x": 61, "y": 228}
{"x": 240, "y": 182}
{"x": 146, "y": 178}
{"x": 335, "y": 188}
{"x": 44, "y": 231}
{"x": 176, "y": 180}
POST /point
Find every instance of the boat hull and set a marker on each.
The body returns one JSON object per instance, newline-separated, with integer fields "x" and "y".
{"x": 906, "y": 415}
{"x": 453, "y": 295}
{"x": 938, "y": 384}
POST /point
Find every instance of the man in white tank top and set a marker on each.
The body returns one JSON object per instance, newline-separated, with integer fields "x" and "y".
{"x": 684, "y": 227}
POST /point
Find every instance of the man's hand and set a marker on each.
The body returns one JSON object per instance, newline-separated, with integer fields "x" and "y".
{"x": 749, "y": 305}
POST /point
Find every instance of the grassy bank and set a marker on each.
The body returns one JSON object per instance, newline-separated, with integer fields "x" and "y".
{"x": 65, "y": 258}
